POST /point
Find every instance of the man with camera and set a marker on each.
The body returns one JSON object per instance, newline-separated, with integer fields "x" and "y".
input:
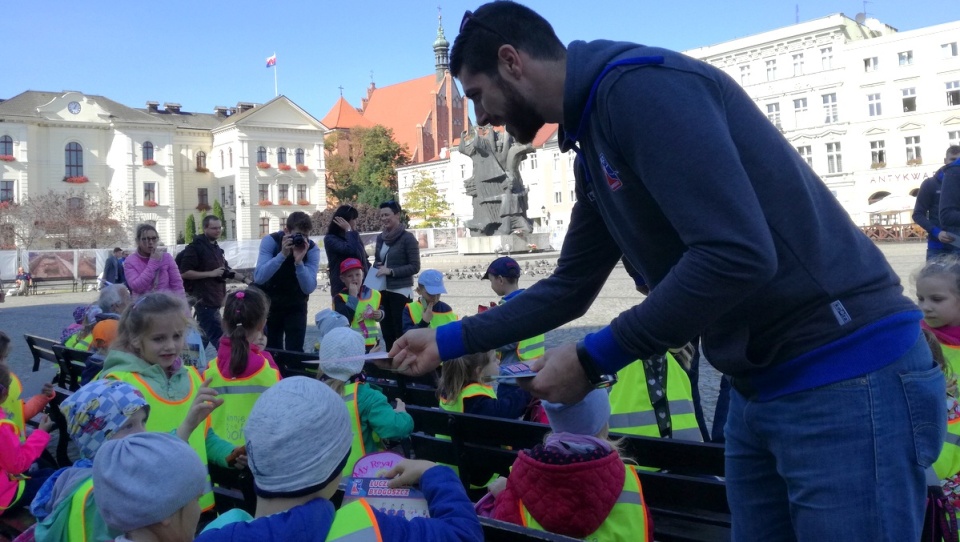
{"x": 287, "y": 271}
{"x": 205, "y": 273}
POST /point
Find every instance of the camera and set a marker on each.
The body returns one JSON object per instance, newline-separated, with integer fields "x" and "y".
{"x": 227, "y": 273}
{"x": 299, "y": 240}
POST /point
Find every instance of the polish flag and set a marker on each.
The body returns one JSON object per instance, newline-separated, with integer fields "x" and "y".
{"x": 271, "y": 61}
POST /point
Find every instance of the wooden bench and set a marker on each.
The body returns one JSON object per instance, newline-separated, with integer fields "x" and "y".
{"x": 71, "y": 364}
{"x": 53, "y": 283}
{"x": 686, "y": 500}
{"x": 41, "y": 349}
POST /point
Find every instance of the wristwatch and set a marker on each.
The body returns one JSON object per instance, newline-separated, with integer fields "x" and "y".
{"x": 592, "y": 370}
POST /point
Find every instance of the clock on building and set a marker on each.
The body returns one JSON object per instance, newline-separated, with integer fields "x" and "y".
{"x": 73, "y": 107}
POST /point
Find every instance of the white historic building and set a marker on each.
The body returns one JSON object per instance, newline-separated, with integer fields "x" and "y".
{"x": 260, "y": 162}
{"x": 871, "y": 109}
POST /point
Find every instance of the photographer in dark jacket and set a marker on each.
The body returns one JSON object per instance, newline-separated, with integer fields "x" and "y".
{"x": 398, "y": 259}
{"x": 287, "y": 271}
{"x": 205, "y": 272}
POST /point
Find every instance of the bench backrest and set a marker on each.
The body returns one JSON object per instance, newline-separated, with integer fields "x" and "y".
{"x": 41, "y": 348}
{"x": 72, "y": 363}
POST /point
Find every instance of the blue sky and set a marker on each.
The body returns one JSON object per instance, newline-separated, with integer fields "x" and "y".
{"x": 210, "y": 52}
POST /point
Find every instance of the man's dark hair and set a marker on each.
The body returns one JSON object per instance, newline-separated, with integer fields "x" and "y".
{"x": 208, "y": 218}
{"x": 953, "y": 149}
{"x": 502, "y": 23}
{"x": 299, "y": 220}
{"x": 392, "y": 205}
{"x": 348, "y": 213}
{"x": 117, "y": 249}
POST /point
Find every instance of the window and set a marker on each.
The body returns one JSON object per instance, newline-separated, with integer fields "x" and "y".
{"x": 302, "y": 192}
{"x": 201, "y": 160}
{"x": 953, "y": 93}
{"x": 557, "y": 197}
{"x": 299, "y": 157}
{"x": 949, "y": 49}
{"x": 573, "y": 196}
{"x": 806, "y": 152}
{"x": 873, "y": 103}
{"x": 878, "y": 155}
{"x": 834, "y": 161}
{"x": 281, "y": 155}
{"x": 771, "y": 70}
{"x": 264, "y": 192}
{"x": 745, "y": 75}
{"x": 74, "y": 157}
{"x": 233, "y": 227}
{"x": 870, "y": 64}
{"x": 223, "y": 195}
{"x": 261, "y": 154}
{"x": 150, "y": 192}
{"x": 463, "y": 169}
{"x": 533, "y": 161}
{"x": 798, "y": 64}
{"x": 283, "y": 192}
{"x": 953, "y": 137}
{"x": 829, "y": 108}
{"x": 231, "y": 196}
{"x": 264, "y": 226}
{"x": 231, "y": 156}
{"x": 6, "y": 191}
{"x": 912, "y": 144}
{"x": 6, "y": 146}
{"x": 147, "y": 151}
{"x": 799, "y": 110}
{"x": 909, "y": 99}
{"x": 221, "y": 160}
{"x": 905, "y": 58}
{"x": 202, "y": 196}
{"x": 826, "y": 58}
{"x": 556, "y": 161}
{"x": 773, "y": 113}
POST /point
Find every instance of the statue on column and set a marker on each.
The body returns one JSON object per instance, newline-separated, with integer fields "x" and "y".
{"x": 499, "y": 197}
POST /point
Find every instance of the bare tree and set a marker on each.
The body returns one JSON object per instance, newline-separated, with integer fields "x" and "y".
{"x": 70, "y": 219}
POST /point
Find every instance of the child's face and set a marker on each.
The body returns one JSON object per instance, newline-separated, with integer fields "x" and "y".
{"x": 426, "y": 297}
{"x": 492, "y": 368}
{"x": 261, "y": 340}
{"x": 498, "y": 284}
{"x": 163, "y": 340}
{"x": 939, "y": 300}
{"x": 134, "y": 424}
{"x": 353, "y": 276}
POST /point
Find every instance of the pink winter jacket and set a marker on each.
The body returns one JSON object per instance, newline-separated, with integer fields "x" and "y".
{"x": 16, "y": 458}
{"x": 145, "y": 275}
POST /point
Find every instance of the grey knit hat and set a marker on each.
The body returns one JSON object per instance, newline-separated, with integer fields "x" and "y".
{"x": 584, "y": 418}
{"x": 328, "y": 320}
{"x": 298, "y": 437}
{"x": 338, "y": 344}
{"x": 145, "y": 478}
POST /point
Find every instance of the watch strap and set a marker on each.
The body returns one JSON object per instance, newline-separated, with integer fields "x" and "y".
{"x": 589, "y": 365}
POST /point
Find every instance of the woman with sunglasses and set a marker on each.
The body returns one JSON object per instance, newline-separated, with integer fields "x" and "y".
{"x": 397, "y": 258}
{"x": 342, "y": 241}
{"x": 150, "y": 269}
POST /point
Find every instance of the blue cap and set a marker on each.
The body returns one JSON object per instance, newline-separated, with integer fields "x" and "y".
{"x": 503, "y": 266}
{"x": 432, "y": 281}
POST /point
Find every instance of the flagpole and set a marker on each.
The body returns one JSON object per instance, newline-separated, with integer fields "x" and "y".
{"x": 275, "y": 92}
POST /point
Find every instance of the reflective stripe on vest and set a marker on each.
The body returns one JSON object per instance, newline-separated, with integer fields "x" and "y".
{"x": 357, "y": 449}
{"x": 368, "y": 327}
{"x": 631, "y": 411}
{"x": 470, "y": 390}
{"x": 531, "y": 348}
{"x": 166, "y": 416}
{"x": 13, "y": 406}
{"x": 628, "y": 519}
{"x": 77, "y": 530}
{"x": 239, "y": 395}
{"x": 415, "y": 310}
{"x": 355, "y": 522}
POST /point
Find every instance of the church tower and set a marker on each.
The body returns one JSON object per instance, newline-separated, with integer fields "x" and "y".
{"x": 441, "y": 50}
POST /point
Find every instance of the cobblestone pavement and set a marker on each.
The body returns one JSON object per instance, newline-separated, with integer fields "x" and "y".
{"x": 46, "y": 315}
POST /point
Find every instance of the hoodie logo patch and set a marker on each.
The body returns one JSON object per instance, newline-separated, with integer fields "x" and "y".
{"x": 613, "y": 178}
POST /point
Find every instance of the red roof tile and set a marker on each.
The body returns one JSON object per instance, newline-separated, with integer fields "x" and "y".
{"x": 343, "y": 115}
{"x": 546, "y": 132}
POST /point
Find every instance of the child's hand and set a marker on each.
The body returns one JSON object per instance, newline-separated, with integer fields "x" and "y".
{"x": 46, "y": 424}
{"x": 408, "y": 472}
{"x": 368, "y": 312}
{"x": 48, "y": 390}
{"x": 205, "y": 403}
{"x": 353, "y": 289}
{"x": 498, "y": 485}
{"x": 400, "y": 406}
{"x": 238, "y": 458}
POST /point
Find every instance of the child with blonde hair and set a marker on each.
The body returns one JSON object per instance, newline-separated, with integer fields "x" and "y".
{"x": 371, "y": 416}
{"x": 462, "y": 388}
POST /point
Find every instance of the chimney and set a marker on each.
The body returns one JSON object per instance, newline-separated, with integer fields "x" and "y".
{"x": 243, "y": 107}
{"x": 220, "y": 111}
{"x": 171, "y": 107}
{"x": 152, "y": 107}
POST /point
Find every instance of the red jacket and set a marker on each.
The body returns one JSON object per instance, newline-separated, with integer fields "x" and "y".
{"x": 557, "y": 496}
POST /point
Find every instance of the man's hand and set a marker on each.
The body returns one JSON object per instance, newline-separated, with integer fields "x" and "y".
{"x": 560, "y": 378}
{"x": 215, "y": 273}
{"x": 286, "y": 245}
{"x": 408, "y": 472}
{"x": 299, "y": 253}
{"x": 945, "y": 237}
{"x": 416, "y": 353}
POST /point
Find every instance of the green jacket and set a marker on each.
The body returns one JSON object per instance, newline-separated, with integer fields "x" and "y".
{"x": 174, "y": 388}
{"x": 377, "y": 416}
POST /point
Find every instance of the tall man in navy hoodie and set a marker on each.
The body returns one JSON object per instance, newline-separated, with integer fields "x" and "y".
{"x": 837, "y": 406}
{"x": 926, "y": 210}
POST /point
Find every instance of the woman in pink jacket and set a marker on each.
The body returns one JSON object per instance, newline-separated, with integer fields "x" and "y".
{"x": 150, "y": 270}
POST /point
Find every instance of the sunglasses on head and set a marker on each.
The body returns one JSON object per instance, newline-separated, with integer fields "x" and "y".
{"x": 468, "y": 18}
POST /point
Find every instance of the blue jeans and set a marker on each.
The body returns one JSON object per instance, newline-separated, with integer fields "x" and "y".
{"x": 210, "y": 324}
{"x": 840, "y": 462}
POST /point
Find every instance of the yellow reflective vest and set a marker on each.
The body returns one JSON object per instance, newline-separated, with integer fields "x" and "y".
{"x": 627, "y": 521}
{"x": 355, "y": 522}
{"x": 13, "y": 406}
{"x": 239, "y": 395}
{"x": 470, "y": 390}
{"x": 166, "y": 416}
{"x": 78, "y": 518}
{"x": 368, "y": 327}
{"x": 357, "y": 448}
{"x": 631, "y": 411}
{"x": 415, "y": 309}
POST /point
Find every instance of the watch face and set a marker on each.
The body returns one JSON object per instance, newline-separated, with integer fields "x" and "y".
{"x": 73, "y": 107}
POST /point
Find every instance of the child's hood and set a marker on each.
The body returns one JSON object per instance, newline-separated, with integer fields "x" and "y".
{"x": 118, "y": 360}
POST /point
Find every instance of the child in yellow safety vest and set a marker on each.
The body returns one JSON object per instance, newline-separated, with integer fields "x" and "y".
{"x": 575, "y": 483}
{"x": 504, "y": 275}
{"x": 462, "y": 388}
{"x": 299, "y": 437}
{"x": 428, "y": 310}
{"x": 371, "y": 416}
{"x": 14, "y": 408}
{"x": 358, "y": 303}
{"x": 242, "y": 370}
{"x": 146, "y": 355}
{"x": 17, "y": 455}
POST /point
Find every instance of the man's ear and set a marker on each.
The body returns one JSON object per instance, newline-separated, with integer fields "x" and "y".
{"x": 509, "y": 61}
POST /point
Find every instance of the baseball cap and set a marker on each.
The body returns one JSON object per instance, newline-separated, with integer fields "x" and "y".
{"x": 503, "y": 266}
{"x": 350, "y": 263}
{"x": 432, "y": 281}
